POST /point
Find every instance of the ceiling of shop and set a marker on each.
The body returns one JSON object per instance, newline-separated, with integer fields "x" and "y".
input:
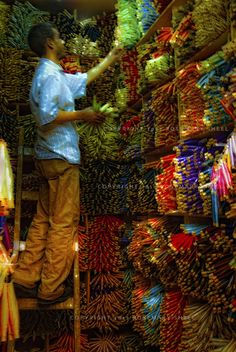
{"x": 84, "y": 7}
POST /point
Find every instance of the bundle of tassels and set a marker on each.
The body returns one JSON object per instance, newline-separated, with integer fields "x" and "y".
{"x": 65, "y": 343}
{"x": 210, "y": 18}
{"x": 222, "y": 178}
{"x": 141, "y": 190}
{"x": 104, "y": 343}
{"x": 130, "y": 143}
{"x": 10, "y": 75}
{"x": 172, "y": 312}
{"x": 191, "y": 119}
{"x": 183, "y": 38}
{"x": 188, "y": 164}
{"x": 160, "y": 65}
{"x": 212, "y": 85}
{"x": 106, "y": 25}
{"x": 128, "y": 32}
{"x": 5, "y": 11}
{"x": 160, "y": 5}
{"x": 130, "y": 342}
{"x": 100, "y": 141}
{"x": 80, "y": 45}
{"x": 164, "y": 105}
{"x": 130, "y": 75}
{"x": 147, "y": 127}
{"x": 103, "y": 187}
{"x": 165, "y": 191}
{"x": 107, "y": 311}
{"x": 23, "y": 17}
{"x": 66, "y": 24}
{"x": 146, "y": 308}
{"x": 146, "y": 14}
{"x": 104, "y": 246}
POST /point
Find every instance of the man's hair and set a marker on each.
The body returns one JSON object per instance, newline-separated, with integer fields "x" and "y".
{"x": 38, "y": 35}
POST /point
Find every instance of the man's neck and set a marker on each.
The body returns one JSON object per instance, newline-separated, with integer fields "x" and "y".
{"x": 52, "y": 57}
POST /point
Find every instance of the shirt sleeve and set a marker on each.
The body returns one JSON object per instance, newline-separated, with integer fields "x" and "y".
{"x": 77, "y": 84}
{"x": 49, "y": 100}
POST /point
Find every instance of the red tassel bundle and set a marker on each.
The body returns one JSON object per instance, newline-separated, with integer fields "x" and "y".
{"x": 104, "y": 254}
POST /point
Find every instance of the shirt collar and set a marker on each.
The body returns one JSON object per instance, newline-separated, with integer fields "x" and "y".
{"x": 44, "y": 60}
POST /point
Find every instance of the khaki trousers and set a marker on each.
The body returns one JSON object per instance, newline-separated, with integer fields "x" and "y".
{"x": 49, "y": 247}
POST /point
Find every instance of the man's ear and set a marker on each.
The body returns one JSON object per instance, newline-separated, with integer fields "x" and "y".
{"x": 50, "y": 43}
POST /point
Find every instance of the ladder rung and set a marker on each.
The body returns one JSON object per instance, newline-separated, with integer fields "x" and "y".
{"x": 30, "y": 195}
{"x": 28, "y": 151}
{"x": 32, "y": 304}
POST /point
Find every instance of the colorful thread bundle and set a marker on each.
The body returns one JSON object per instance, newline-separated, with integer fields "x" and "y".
{"x": 183, "y": 38}
{"x": 188, "y": 164}
{"x": 191, "y": 120}
{"x": 164, "y": 104}
{"x": 141, "y": 190}
{"x": 210, "y": 18}
{"x": 128, "y": 32}
{"x": 147, "y": 127}
{"x": 107, "y": 311}
{"x": 131, "y": 138}
{"x": 100, "y": 141}
{"x": 23, "y": 17}
{"x": 65, "y": 343}
{"x": 5, "y": 11}
{"x": 104, "y": 343}
{"x": 104, "y": 240}
{"x": 106, "y": 25}
{"x": 66, "y": 24}
{"x": 146, "y": 14}
{"x": 158, "y": 68}
{"x": 212, "y": 85}
{"x": 131, "y": 75}
{"x": 222, "y": 177}
{"x": 165, "y": 191}
{"x": 16, "y": 75}
{"x": 80, "y": 45}
{"x": 103, "y": 187}
{"x": 172, "y": 311}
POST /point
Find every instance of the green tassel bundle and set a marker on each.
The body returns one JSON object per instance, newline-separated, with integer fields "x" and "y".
{"x": 100, "y": 141}
{"x": 23, "y": 17}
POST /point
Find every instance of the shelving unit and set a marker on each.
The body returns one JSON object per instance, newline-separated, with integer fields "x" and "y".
{"x": 164, "y": 20}
{"x": 149, "y": 156}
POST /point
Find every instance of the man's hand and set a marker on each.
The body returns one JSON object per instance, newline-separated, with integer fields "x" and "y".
{"x": 117, "y": 52}
{"x": 91, "y": 116}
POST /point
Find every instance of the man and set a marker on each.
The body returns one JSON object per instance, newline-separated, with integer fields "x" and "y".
{"x": 48, "y": 256}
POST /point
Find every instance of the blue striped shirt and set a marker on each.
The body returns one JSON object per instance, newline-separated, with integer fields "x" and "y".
{"x": 53, "y": 90}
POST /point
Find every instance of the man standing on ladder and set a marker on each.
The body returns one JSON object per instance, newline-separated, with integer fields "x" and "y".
{"x": 48, "y": 257}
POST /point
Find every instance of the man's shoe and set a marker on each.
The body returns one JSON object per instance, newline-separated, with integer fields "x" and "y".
{"x": 24, "y": 292}
{"x": 66, "y": 294}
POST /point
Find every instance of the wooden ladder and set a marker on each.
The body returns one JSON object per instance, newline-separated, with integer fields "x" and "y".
{"x": 72, "y": 303}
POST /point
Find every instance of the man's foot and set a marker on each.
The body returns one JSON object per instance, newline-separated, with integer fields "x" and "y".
{"x": 24, "y": 292}
{"x": 66, "y": 294}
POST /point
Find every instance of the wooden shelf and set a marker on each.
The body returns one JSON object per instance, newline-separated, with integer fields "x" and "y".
{"x": 32, "y": 304}
{"x": 209, "y": 133}
{"x": 179, "y": 214}
{"x": 164, "y": 20}
{"x": 208, "y": 50}
{"x": 152, "y": 155}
